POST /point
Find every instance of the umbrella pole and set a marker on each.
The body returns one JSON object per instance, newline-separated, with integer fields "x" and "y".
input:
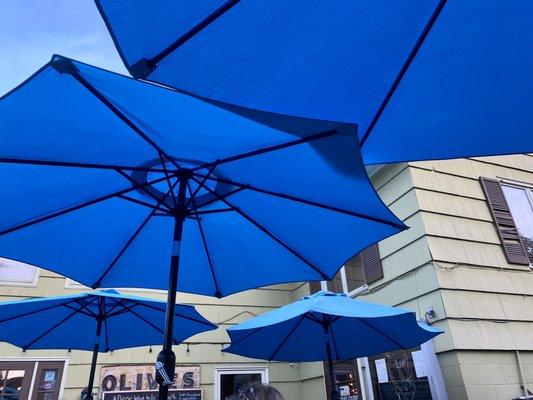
{"x": 167, "y": 356}
{"x": 89, "y": 394}
{"x": 334, "y": 392}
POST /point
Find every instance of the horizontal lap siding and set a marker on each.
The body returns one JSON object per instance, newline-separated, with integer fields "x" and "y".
{"x": 409, "y": 279}
{"x": 478, "y": 284}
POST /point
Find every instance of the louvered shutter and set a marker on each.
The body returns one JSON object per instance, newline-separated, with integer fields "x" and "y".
{"x": 501, "y": 214}
{"x": 372, "y": 264}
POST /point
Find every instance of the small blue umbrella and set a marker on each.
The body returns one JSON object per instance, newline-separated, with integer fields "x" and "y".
{"x": 95, "y": 321}
{"x": 329, "y": 327}
{"x": 115, "y": 182}
{"x": 423, "y": 79}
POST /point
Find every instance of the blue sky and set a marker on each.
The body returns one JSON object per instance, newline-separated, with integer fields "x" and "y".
{"x": 32, "y": 30}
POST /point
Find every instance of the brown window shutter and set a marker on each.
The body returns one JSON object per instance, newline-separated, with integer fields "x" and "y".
{"x": 501, "y": 214}
{"x": 314, "y": 287}
{"x": 372, "y": 263}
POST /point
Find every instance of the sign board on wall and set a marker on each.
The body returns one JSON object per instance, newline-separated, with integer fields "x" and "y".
{"x": 128, "y": 380}
{"x": 174, "y": 394}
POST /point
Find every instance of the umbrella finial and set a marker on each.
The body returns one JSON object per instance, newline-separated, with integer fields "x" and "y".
{"x": 63, "y": 65}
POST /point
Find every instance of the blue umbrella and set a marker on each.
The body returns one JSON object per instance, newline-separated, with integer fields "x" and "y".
{"x": 327, "y": 327}
{"x": 96, "y": 321}
{"x": 108, "y": 180}
{"x": 423, "y": 79}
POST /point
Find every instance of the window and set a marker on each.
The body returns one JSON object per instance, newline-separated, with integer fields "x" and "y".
{"x": 72, "y": 284}
{"x": 15, "y": 273}
{"x": 35, "y": 380}
{"x": 355, "y": 275}
{"x": 511, "y": 207}
{"x": 401, "y": 374}
{"x": 229, "y": 380}
{"x": 520, "y": 200}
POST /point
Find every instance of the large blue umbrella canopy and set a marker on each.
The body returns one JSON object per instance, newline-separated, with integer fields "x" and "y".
{"x": 120, "y": 183}
{"x": 85, "y": 155}
{"x": 97, "y": 321}
{"x": 328, "y": 326}
{"x": 423, "y": 79}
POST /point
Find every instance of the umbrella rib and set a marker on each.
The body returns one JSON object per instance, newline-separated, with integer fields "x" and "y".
{"x": 224, "y": 195}
{"x": 269, "y": 149}
{"x": 144, "y": 189}
{"x": 333, "y": 340}
{"x": 8, "y": 160}
{"x": 170, "y": 187}
{"x": 381, "y": 333}
{"x": 77, "y": 207}
{"x": 54, "y": 327}
{"x": 302, "y": 317}
{"x": 152, "y": 62}
{"x": 215, "y": 211}
{"x": 218, "y": 293}
{"x": 33, "y": 312}
{"x": 405, "y": 67}
{"x": 270, "y": 234}
{"x": 305, "y": 201}
{"x": 201, "y": 184}
{"x": 253, "y": 332}
{"x": 143, "y": 203}
{"x": 180, "y": 315}
{"x": 114, "y": 109}
{"x": 98, "y": 282}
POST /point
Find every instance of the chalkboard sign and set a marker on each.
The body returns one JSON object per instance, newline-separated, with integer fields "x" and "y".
{"x": 177, "y": 394}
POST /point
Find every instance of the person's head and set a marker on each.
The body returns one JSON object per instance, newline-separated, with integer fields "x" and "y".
{"x": 259, "y": 391}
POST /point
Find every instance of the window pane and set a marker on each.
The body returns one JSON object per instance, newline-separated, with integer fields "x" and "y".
{"x": 522, "y": 212}
{"x": 355, "y": 274}
{"x": 13, "y": 384}
{"x": 231, "y": 383}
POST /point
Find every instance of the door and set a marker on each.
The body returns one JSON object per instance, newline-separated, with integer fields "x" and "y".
{"x": 48, "y": 380}
{"x": 15, "y": 379}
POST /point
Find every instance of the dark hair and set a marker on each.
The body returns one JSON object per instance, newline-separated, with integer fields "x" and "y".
{"x": 259, "y": 391}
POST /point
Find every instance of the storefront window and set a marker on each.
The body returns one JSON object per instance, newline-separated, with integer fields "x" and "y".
{"x": 400, "y": 375}
{"x": 229, "y": 381}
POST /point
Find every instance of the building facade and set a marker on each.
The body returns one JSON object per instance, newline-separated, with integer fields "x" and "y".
{"x": 464, "y": 266}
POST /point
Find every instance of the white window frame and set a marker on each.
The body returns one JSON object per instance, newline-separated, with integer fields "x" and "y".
{"x": 235, "y": 370}
{"x": 344, "y": 282}
{"x": 30, "y": 283}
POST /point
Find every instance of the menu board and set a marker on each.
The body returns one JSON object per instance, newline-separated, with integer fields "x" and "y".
{"x": 174, "y": 394}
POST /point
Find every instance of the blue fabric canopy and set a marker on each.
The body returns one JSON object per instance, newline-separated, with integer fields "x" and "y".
{"x": 70, "y": 322}
{"x": 98, "y": 321}
{"x": 296, "y": 332}
{"x": 422, "y": 79}
{"x": 93, "y": 165}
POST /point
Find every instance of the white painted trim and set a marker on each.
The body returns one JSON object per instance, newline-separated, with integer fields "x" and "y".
{"x": 33, "y": 377}
{"x": 365, "y": 378}
{"x": 237, "y": 369}
{"x": 344, "y": 280}
{"x": 72, "y": 284}
{"x": 435, "y": 378}
{"x": 32, "y": 284}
